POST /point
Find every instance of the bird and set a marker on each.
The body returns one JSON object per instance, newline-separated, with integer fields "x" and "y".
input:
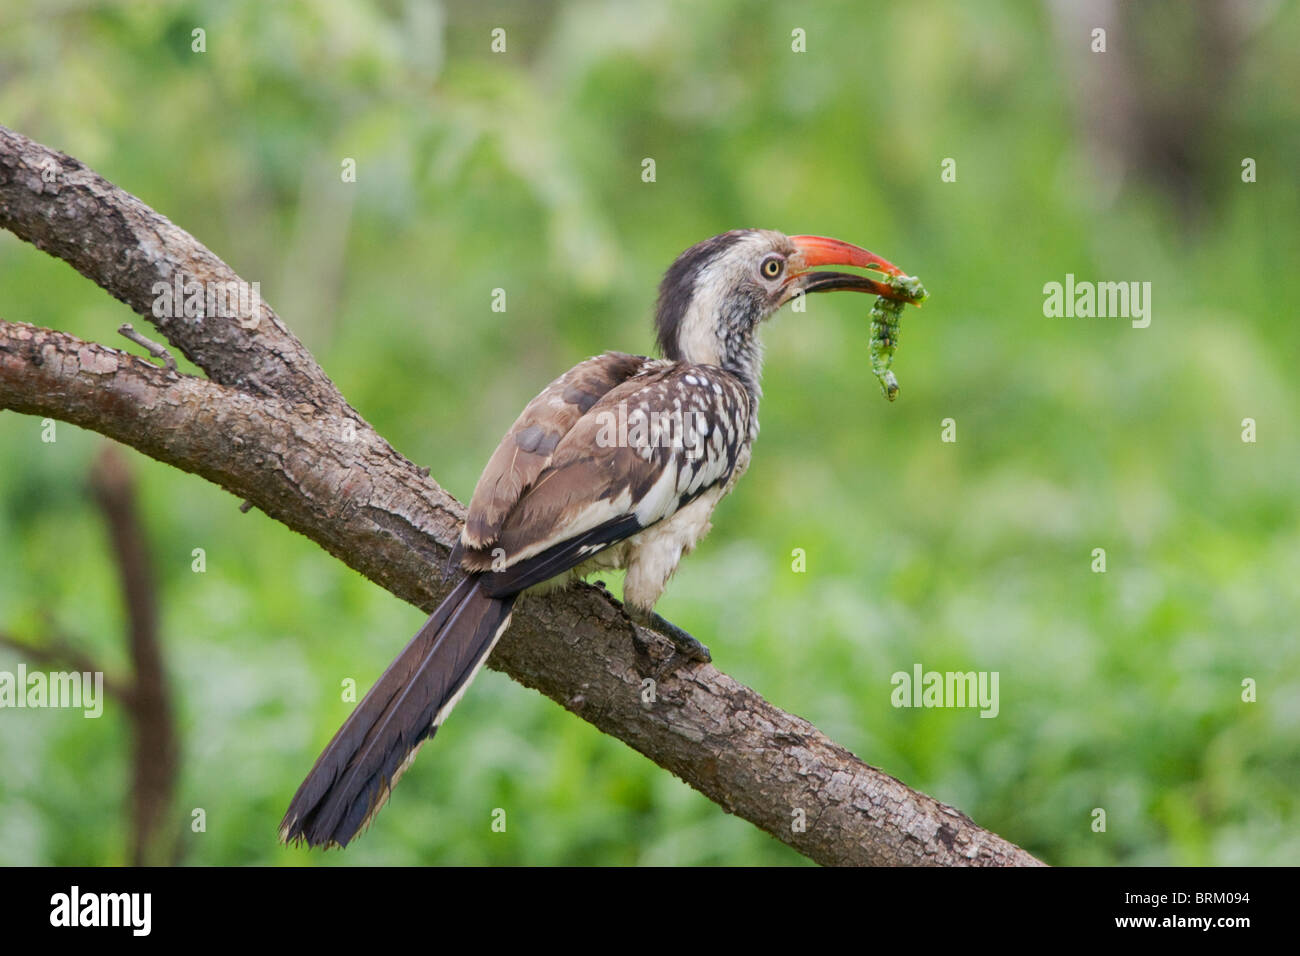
{"x": 617, "y": 464}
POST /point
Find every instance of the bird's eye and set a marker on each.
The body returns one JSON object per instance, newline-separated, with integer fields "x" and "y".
{"x": 772, "y": 266}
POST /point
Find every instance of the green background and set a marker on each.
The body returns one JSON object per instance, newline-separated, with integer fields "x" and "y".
{"x": 522, "y": 171}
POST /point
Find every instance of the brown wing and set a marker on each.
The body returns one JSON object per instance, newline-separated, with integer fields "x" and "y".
{"x": 610, "y": 477}
{"x": 528, "y": 446}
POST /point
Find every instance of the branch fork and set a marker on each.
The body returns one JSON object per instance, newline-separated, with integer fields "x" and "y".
{"x": 262, "y": 425}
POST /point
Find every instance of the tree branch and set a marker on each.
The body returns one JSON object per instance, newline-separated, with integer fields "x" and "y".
{"x": 58, "y": 651}
{"x": 112, "y": 238}
{"x": 156, "y": 752}
{"x": 271, "y": 428}
{"x": 145, "y": 697}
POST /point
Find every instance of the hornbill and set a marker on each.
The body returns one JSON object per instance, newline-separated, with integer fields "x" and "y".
{"x": 618, "y": 463}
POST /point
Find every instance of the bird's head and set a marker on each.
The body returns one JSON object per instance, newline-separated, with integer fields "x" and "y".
{"x": 715, "y": 296}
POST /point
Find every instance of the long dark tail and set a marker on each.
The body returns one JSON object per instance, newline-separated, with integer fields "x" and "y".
{"x": 354, "y": 775}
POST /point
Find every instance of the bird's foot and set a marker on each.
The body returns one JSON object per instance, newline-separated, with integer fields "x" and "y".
{"x": 683, "y": 643}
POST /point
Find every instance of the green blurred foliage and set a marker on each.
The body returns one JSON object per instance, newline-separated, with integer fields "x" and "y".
{"x": 523, "y": 171}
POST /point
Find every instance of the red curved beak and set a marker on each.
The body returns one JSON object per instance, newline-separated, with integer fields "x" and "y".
{"x": 823, "y": 251}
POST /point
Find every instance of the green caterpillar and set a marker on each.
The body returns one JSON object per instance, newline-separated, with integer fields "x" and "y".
{"x": 885, "y": 316}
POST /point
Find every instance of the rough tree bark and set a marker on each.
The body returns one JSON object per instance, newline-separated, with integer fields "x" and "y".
{"x": 269, "y": 426}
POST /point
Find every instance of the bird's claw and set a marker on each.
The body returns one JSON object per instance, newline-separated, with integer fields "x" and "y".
{"x": 684, "y": 642}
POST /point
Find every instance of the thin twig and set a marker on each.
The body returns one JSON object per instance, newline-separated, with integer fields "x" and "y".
{"x": 56, "y": 651}
{"x": 154, "y": 349}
